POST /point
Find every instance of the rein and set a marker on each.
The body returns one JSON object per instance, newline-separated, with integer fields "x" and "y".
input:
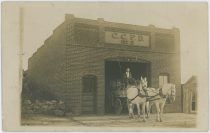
{"x": 139, "y": 94}
{"x": 130, "y": 100}
{"x": 149, "y": 97}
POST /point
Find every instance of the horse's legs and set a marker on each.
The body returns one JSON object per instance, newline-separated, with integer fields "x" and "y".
{"x": 148, "y": 109}
{"x": 130, "y": 110}
{"x": 150, "y": 106}
{"x": 143, "y": 111}
{"x": 161, "y": 110}
{"x": 158, "y": 111}
{"x": 138, "y": 108}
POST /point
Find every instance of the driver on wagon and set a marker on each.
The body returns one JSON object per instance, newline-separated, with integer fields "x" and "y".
{"x": 127, "y": 76}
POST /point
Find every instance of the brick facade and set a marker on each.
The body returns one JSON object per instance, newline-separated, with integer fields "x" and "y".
{"x": 77, "y": 48}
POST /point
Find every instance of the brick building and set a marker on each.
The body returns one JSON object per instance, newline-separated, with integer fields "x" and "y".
{"x": 81, "y": 57}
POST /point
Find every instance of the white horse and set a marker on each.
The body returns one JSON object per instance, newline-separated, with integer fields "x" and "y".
{"x": 134, "y": 98}
{"x": 158, "y": 97}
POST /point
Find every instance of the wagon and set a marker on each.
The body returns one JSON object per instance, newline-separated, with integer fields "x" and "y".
{"x": 119, "y": 96}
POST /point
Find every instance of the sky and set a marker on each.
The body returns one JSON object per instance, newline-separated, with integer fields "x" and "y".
{"x": 191, "y": 18}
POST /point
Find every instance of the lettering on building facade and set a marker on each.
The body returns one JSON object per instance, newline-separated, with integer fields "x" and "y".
{"x": 127, "y": 38}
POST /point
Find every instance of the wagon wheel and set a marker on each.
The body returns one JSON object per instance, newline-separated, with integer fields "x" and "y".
{"x": 118, "y": 106}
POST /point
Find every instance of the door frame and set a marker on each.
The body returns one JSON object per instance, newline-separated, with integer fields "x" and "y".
{"x": 128, "y": 60}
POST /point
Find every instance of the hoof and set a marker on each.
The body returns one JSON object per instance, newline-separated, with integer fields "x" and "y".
{"x": 161, "y": 120}
{"x": 144, "y": 120}
{"x": 131, "y": 117}
{"x": 157, "y": 120}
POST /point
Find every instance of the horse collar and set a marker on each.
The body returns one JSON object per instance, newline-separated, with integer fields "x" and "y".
{"x": 161, "y": 93}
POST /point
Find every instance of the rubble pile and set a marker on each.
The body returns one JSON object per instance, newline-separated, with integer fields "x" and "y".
{"x": 52, "y": 107}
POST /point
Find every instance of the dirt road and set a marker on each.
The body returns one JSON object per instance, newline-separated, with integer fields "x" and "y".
{"x": 171, "y": 120}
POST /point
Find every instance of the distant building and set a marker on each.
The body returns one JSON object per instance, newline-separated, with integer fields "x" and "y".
{"x": 78, "y": 62}
{"x": 189, "y": 91}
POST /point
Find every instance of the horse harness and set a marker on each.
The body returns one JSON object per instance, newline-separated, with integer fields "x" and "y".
{"x": 149, "y": 98}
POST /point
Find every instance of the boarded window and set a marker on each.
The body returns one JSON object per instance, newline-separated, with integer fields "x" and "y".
{"x": 163, "y": 79}
{"x": 89, "y": 83}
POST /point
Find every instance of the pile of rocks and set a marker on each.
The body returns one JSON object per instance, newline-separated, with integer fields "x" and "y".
{"x": 52, "y": 107}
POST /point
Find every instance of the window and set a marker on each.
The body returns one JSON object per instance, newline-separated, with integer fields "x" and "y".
{"x": 89, "y": 83}
{"x": 163, "y": 79}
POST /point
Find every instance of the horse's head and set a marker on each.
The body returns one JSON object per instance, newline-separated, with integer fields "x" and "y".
{"x": 143, "y": 82}
{"x": 172, "y": 93}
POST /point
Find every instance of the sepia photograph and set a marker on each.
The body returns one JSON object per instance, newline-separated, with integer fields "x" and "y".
{"x": 105, "y": 66}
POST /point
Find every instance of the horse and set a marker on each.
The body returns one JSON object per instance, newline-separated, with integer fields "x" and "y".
{"x": 158, "y": 97}
{"x": 134, "y": 98}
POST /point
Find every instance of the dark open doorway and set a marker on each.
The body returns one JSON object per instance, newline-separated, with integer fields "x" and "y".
{"x": 114, "y": 70}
